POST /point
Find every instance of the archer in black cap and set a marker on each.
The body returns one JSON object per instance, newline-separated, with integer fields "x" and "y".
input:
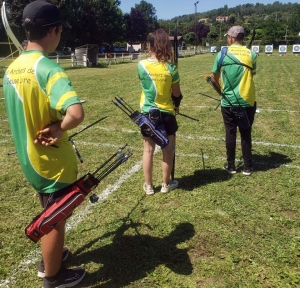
{"x": 39, "y": 16}
{"x": 42, "y": 106}
{"x": 42, "y": 13}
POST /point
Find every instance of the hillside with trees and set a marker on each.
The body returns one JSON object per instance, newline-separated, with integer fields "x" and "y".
{"x": 275, "y": 23}
{"x": 102, "y": 22}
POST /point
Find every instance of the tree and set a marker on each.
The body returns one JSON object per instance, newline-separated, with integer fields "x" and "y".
{"x": 149, "y": 13}
{"x": 273, "y": 31}
{"x": 294, "y": 21}
{"x": 136, "y": 26}
{"x": 189, "y": 38}
{"x": 201, "y": 31}
{"x": 213, "y": 33}
{"x": 103, "y": 21}
{"x": 92, "y": 21}
{"x": 232, "y": 19}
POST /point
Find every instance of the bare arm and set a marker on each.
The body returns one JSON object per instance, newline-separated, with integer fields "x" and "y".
{"x": 74, "y": 116}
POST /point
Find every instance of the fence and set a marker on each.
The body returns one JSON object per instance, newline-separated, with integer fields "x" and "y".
{"x": 106, "y": 59}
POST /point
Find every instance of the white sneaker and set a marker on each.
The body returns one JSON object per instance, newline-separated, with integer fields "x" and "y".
{"x": 165, "y": 188}
{"x": 148, "y": 189}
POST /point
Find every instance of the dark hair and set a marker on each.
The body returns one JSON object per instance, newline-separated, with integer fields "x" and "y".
{"x": 160, "y": 44}
{"x": 240, "y": 37}
{"x": 36, "y": 32}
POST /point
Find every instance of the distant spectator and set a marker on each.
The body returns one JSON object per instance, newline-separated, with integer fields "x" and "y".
{"x": 130, "y": 49}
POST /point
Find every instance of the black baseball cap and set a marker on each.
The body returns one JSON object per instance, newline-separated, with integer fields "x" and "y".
{"x": 43, "y": 13}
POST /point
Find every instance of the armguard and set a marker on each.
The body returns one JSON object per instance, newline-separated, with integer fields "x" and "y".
{"x": 177, "y": 100}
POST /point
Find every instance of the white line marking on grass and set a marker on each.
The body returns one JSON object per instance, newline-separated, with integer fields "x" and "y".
{"x": 261, "y": 109}
{"x": 253, "y": 142}
{"x": 274, "y": 110}
{"x": 275, "y": 144}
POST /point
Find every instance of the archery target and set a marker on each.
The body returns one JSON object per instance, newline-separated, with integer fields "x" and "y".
{"x": 282, "y": 49}
{"x": 296, "y": 48}
{"x": 213, "y": 49}
{"x": 269, "y": 48}
{"x": 255, "y": 49}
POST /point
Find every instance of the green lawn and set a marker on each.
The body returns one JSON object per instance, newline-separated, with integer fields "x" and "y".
{"x": 215, "y": 230}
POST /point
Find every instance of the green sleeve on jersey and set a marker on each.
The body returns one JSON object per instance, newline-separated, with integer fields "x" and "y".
{"x": 56, "y": 85}
{"x": 174, "y": 73}
{"x": 215, "y": 68}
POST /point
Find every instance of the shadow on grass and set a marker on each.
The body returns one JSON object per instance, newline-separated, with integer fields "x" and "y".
{"x": 203, "y": 177}
{"x": 129, "y": 258}
{"x": 270, "y": 161}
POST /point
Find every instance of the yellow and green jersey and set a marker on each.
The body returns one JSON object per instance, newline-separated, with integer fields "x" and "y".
{"x": 239, "y": 64}
{"x": 157, "y": 79}
{"x": 37, "y": 92}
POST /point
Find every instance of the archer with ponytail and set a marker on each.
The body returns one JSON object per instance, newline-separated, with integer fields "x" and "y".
{"x": 160, "y": 99}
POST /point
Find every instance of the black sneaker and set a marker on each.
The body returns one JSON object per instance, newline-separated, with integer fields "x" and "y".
{"x": 65, "y": 278}
{"x": 229, "y": 169}
{"x": 247, "y": 171}
{"x": 41, "y": 269}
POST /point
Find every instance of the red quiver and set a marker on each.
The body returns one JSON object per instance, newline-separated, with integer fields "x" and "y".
{"x": 71, "y": 197}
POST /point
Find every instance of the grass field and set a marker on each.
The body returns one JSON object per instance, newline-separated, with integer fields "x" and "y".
{"x": 215, "y": 230}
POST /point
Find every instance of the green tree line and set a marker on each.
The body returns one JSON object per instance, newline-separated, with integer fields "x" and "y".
{"x": 102, "y": 22}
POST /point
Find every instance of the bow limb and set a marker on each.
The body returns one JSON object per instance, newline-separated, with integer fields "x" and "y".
{"x": 9, "y": 32}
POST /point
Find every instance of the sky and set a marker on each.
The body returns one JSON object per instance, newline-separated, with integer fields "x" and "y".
{"x": 168, "y": 9}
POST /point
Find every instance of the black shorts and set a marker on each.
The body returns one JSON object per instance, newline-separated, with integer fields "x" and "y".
{"x": 170, "y": 124}
{"x": 48, "y": 198}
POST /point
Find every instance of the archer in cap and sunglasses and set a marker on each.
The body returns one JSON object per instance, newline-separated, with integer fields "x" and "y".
{"x": 235, "y": 67}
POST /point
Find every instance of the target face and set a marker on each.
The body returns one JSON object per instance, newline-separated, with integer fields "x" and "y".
{"x": 269, "y": 49}
{"x": 282, "y": 48}
{"x": 296, "y": 48}
{"x": 255, "y": 49}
